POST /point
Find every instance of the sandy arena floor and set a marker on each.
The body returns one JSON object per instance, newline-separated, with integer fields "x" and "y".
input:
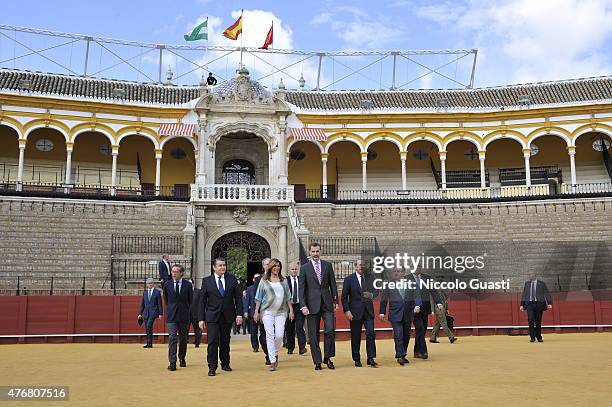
{"x": 565, "y": 370}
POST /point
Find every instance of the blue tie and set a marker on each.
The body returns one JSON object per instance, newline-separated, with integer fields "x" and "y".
{"x": 221, "y": 289}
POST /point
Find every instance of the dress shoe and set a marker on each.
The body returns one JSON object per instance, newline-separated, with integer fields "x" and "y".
{"x": 358, "y": 363}
{"x": 182, "y": 363}
{"x": 198, "y": 345}
{"x": 417, "y": 355}
{"x": 406, "y": 361}
{"x": 290, "y": 352}
{"x": 303, "y": 351}
{"x": 421, "y": 355}
{"x": 255, "y": 350}
{"x": 212, "y": 372}
{"x": 401, "y": 361}
{"x": 532, "y": 340}
{"x": 318, "y": 366}
{"x": 540, "y": 340}
{"x": 453, "y": 339}
{"x": 372, "y": 362}
{"x": 148, "y": 346}
{"x": 434, "y": 341}
{"x": 172, "y": 368}
{"x": 329, "y": 363}
{"x": 226, "y": 368}
{"x": 268, "y": 361}
{"x": 273, "y": 366}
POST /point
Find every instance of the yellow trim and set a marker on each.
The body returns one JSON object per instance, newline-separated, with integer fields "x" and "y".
{"x": 593, "y": 127}
{"x": 92, "y": 126}
{"x": 7, "y": 119}
{"x": 344, "y": 136}
{"x": 47, "y": 123}
{"x": 422, "y": 136}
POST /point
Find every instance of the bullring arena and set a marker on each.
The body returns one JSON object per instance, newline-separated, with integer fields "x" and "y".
{"x": 103, "y": 177}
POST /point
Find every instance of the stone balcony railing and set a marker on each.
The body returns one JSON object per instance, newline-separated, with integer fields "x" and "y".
{"x": 218, "y": 194}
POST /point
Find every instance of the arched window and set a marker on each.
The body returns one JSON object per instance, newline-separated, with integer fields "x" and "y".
{"x": 238, "y": 172}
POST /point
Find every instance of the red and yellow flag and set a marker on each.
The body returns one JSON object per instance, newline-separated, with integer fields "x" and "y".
{"x": 233, "y": 31}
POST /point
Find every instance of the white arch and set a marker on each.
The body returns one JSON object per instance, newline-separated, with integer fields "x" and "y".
{"x": 468, "y": 139}
{"x": 167, "y": 139}
{"x": 331, "y": 143}
{"x": 567, "y": 140}
{"x": 316, "y": 143}
{"x": 12, "y": 126}
{"x": 390, "y": 139}
{"x": 599, "y": 130}
{"x": 146, "y": 135}
{"x": 425, "y": 138}
{"x": 44, "y": 126}
{"x": 103, "y": 132}
{"x": 503, "y": 136}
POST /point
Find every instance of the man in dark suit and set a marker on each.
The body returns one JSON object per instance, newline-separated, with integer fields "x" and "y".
{"x": 422, "y": 291}
{"x": 178, "y": 294}
{"x": 535, "y": 299}
{"x": 357, "y": 304}
{"x": 220, "y": 306}
{"x": 296, "y": 326}
{"x": 401, "y": 314}
{"x": 150, "y": 309}
{"x": 318, "y": 296}
{"x": 249, "y": 309}
{"x": 163, "y": 268}
{"x": 194, "y": 313}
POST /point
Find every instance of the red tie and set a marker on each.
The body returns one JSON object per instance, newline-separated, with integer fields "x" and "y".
{"x": 318, "y": 271}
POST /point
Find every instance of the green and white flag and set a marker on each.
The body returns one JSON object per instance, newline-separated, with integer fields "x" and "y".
{"x": 198, "y": 33}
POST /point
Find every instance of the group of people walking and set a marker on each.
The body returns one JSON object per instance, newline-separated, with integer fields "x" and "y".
{"x": 277, "y": 307}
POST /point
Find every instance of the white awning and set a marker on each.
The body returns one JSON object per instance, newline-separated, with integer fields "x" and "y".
{"x": 308, "y": 134}
{"x": 176, "y": 129}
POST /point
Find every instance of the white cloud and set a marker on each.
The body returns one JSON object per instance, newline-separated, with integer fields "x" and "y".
{"x": 527, "y": 40}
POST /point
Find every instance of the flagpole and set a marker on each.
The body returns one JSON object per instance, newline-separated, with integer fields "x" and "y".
{"x": 241, "y": 35}
{"x": 206, "y": 49}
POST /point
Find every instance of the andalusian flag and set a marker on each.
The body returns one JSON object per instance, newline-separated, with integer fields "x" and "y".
{"x": 197, "y": 33}
{"x": 233, "y": 31}
{"x": 269, "y": 38}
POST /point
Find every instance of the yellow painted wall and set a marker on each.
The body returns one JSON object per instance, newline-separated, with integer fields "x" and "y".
{"x": 9, "y": 147}
{"x": 388, "y": 157}
{"x": 86, "y": 148}
{"x": 504, "y": 153}
{"x": 59, "y": 146}
{"x": 175, "y": 171}
{"x": 427, "y": 146}
{"x": 456, "y": 158}
{"x": 553, "y": 151}
{"x": 309, "y": 170}
{"x": 343, "y": 156}
{"x": 134, "y": 145}
{"x": 585, "y": 150}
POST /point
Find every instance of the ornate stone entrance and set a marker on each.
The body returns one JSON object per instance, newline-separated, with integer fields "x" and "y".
{"x": 243, "y": 253}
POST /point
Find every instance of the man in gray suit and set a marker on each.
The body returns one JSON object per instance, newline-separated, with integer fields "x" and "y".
{"x": 318, "y": 297}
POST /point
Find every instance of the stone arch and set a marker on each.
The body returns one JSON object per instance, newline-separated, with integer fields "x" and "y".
{"x": 43, "y": 123}
{"x": 293, "y": 142}
{"x": 588, "y": 128}
{"x": 384, "y": 136}
{"x": 549, "y": 131}
{"x": 462, "y": 135}
{"x": 13, "y": 124}
{"x": 423, "y": 136}
{"x": 168, "y": 138}
{"x": 138, "y": 131}
{"x": 263, "y": 132}
{"x": 344, "y": 136}
{"x": 503, "y": 134}
{"x": 92, "y": 127}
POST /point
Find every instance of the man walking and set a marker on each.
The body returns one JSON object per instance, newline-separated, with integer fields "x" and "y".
{"x": 536, "y": 299}
{"x": 295, "y": 327}
{"x": 178, "y": 294}
{"x": 150, "y": 309}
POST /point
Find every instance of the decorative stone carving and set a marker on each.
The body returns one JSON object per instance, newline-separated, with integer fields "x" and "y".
{"x": 241, "y": 215}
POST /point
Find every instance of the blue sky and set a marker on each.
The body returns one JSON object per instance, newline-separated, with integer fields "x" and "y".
{"x": 518, "y": 40}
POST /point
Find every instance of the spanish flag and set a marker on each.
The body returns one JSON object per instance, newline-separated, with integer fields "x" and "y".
{"x": 233, "y": 31}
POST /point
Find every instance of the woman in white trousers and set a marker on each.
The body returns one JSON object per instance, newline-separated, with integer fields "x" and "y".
{"x": 273, "y": 306}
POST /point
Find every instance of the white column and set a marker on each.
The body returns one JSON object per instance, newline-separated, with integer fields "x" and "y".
{"x": 443, "y": 167}
{"x": 22, "y": 146}
{"x": 68, "y": 175}
{"x": 364, "y": 171}
{"x": 403, "y": 160}
{"x": 158, "y": 157}
{"x": 114, "y": 154}
{"x": 483, "y": 178}
{"x": 202, "y": 152}
{"x": 282, "y": 243}
{"x": 572, "y": 155}
{"x": 324, "y": 167}
{"x": 197, "y": 162}
{"x": 527, "y": 155}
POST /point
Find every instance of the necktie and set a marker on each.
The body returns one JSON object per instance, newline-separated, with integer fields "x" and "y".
{"x": 359, "y": 280}
{"x": 294, "y": 290}
{"x": 418, "y": 300}
{"x": 176, "y": 288}
{"x": 150, "y": 294}
{"x": 318, "y": 271}
{"x": 533, "y": 291}
{"x": 221, "y": 289}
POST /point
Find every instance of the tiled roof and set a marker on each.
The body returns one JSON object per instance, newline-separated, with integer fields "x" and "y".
{"x": 545, "y": 93}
